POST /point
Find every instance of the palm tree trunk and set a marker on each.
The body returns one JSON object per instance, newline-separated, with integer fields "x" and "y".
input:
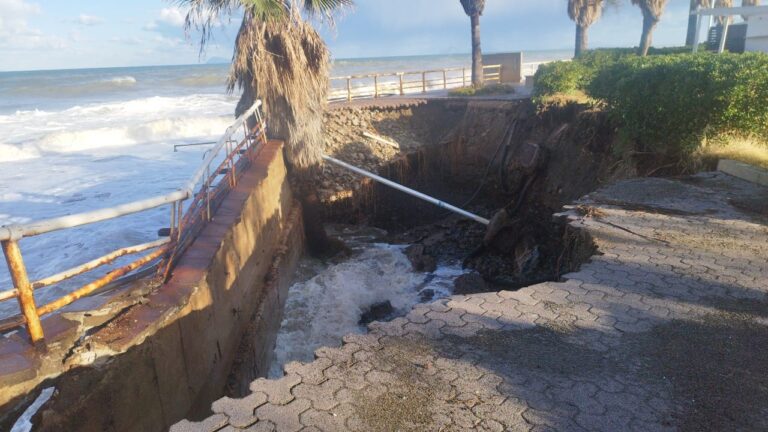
{"x": 645, "y": 41}
{"x": 477, "y": 53}
{"x": 691, "y": 35}
{"x": 582, "y": 38}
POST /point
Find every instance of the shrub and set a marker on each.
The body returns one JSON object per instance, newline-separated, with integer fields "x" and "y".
{"x": 669, "y": 104}
{"x": 560, "y": 77}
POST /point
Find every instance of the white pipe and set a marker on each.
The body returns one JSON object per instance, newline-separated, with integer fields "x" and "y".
{"x": 411, "y": 192}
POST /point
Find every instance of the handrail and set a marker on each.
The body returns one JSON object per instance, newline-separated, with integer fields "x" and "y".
{"x": 401, "y": 85}
{"x": 18, "y": 231}
{"x": 182, "y": 228}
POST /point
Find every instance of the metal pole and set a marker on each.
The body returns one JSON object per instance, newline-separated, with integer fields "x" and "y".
{"x": 463, "y": 77}
{"x": 411, "y": 192}
{"x": 21, "y": 283}
{"x": 423, "y": 82}
{"x": 349, "y": 88}
{"x": 724, "y": 36}
{"x": 401, "y": 84}
{"x": 698, "y": 31}
{"x": 376, "y": 86}
{"x": 445, "y": 81}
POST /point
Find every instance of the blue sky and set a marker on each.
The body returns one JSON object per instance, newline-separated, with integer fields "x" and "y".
{"x": 56, "y": 34}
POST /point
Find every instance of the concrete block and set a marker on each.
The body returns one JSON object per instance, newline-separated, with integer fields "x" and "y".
{"x": 744, "y": 171}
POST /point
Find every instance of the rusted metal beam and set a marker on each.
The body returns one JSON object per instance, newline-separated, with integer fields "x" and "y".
{"x": 21, "y": 281}
{"x": 98, "y": 262}
{"x": 98, "y": 283}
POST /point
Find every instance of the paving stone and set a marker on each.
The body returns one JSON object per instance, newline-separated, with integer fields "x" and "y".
{"x": 549, "y": 357}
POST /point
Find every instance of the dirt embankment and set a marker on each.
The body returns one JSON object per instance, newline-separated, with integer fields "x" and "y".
{"x": 482, "y": 156}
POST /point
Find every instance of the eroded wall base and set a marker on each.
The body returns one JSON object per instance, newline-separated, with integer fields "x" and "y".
{"x": 170, "y": 356}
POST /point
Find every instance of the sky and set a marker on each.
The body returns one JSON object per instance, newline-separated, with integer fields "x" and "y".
{"x": 56, "y": 34}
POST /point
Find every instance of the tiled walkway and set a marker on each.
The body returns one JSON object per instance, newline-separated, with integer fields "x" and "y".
{"x": 665, "y": 329}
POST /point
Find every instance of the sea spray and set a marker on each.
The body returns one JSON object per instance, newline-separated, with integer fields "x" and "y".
{"x": 322, "y": 309}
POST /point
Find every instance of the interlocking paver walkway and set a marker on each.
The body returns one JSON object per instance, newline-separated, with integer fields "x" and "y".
{"x": 665, "y": 329}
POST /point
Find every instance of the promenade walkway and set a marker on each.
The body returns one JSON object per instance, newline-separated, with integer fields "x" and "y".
{"x": 665, "y": 329}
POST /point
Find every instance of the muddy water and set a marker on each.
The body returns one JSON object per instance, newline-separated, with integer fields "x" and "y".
{"x": 328, "y": 298}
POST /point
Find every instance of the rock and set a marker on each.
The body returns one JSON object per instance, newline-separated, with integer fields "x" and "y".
{"x": 421, "y": 261}
{"x": 377, "y": 312}
{"x": 426, "y": 295}
{"x": 471, "y": 283}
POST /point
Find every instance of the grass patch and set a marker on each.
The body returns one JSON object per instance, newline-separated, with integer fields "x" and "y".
{"x": 488, "y": 90}
{"x": 747, "y": 150}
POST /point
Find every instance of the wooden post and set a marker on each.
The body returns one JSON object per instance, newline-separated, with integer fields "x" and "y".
{"x": 463, "y": 77}
{"x": 349, "y": 88}
{"x": 376, "y": 86}
{"x": 445, "y": 81}
{"x": 401, "y": 84}
{"x": 21, "y": 283}
{"x": 423, "y": 82}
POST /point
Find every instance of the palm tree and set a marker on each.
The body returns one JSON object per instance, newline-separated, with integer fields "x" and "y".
{"x": 652, "y": 11}
{"x": 474, "y": 8}
{"x": 725, "y": 4}
{"x": 280, "y": 59}
{"x": 692, "y": 19}
{"x": 584, "y": 13}
{"x": 749, "y": 3}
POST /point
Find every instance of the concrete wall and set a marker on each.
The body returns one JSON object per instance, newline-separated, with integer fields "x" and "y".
{"x": 170, "y": 356}
{"x": 757, "y": 34}
{"x": 511, "y": 66}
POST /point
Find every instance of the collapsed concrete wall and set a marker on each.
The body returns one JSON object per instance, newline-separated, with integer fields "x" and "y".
{"x": 168, "y": 356}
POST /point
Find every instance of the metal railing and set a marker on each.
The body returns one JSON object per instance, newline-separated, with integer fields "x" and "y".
{"x": 376, "y": 85}
{"x": 211, "y": 182}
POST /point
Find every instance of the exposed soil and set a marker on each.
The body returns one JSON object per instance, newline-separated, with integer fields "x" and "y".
{"x": 480, "y": 156}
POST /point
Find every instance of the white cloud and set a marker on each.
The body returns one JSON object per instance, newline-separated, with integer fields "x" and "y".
{"x": 89, "y": 20}
{"x": 15, "y": 31}
{"x": 173, "y": 16}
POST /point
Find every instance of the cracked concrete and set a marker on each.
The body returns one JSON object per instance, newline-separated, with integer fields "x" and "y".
{"x": 665, "y": 329}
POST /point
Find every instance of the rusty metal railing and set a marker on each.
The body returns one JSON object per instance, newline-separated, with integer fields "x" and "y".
{"x": 211, "y": 182}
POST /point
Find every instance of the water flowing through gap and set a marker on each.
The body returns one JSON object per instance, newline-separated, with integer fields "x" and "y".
{"x": 375, "y": 281}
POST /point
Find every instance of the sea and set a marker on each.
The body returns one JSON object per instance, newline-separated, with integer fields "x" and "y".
{"x": 79, "y": 140}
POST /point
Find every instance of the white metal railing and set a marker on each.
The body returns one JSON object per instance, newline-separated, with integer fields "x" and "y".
{"x": 375, "y": 85}
{"x": 206, "y": 187}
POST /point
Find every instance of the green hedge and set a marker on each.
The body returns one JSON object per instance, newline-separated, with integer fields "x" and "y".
{"x": 570, "y": 76}
{"x": 667, "y": 104}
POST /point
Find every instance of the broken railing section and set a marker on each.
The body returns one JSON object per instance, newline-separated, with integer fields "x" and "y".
{"x": 218, "y": 174}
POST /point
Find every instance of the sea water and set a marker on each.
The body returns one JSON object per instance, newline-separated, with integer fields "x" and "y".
{"x": 79, "y": 140}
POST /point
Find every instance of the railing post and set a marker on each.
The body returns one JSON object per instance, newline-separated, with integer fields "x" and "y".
{"x": 349, "y": 89}
{"x": 401, "y": 84}
{"x": 375, "y": 86}
{"x": 445, "y": 82}
{"x": 21, "y": 283}
{"x": 463, "y": 77}
{"x": 423, "y": 82}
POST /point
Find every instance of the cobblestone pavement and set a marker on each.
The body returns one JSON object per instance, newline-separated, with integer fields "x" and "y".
{"x": 665, "y": 329}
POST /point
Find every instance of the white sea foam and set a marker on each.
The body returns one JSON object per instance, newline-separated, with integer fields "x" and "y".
{"x": 91, "y": 156}
{"x": 122, "y": 80}
{"x": 31, "y": 134}
{"x": 321, "y": 310}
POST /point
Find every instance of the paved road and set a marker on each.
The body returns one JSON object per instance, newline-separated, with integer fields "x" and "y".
{"x": 666, "y": 329}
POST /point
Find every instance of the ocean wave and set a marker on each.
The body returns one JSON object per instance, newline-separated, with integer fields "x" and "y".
{"x": 121, "y": 80}
{"x": 12, "y": 153}
{"x": 209, "y": 80}
{"x": 169, "y": 129}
